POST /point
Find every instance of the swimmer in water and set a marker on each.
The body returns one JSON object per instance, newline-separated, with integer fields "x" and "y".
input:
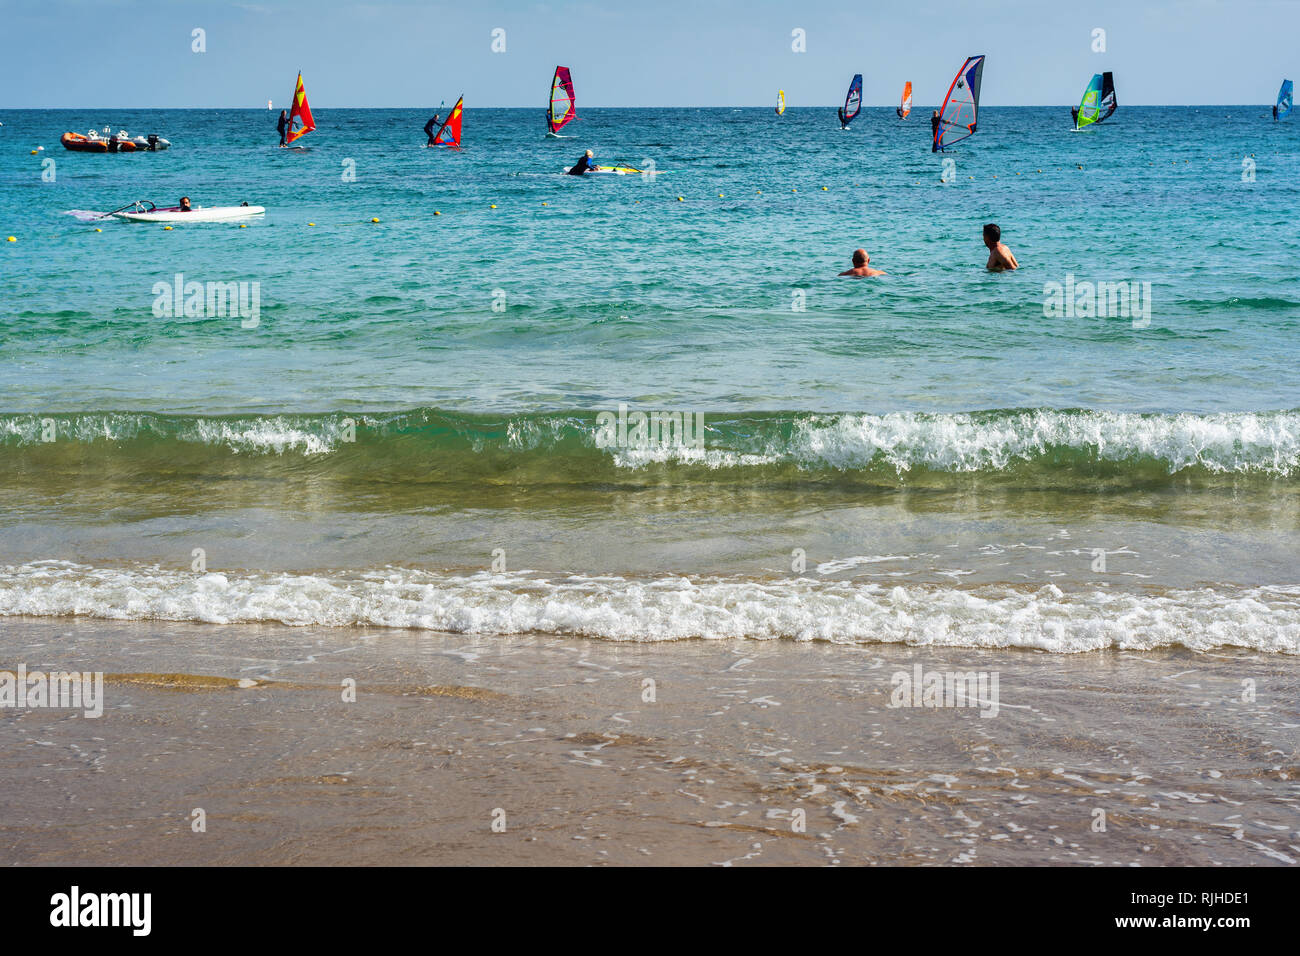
{"x": 1000, "y": 257}
{"x": 861, "y": 269}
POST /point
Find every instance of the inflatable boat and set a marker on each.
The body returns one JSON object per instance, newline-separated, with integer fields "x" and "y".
{"x": 104, "y": 142}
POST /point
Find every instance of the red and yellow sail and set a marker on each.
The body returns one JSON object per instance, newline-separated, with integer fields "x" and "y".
{"x": 449, "y": 132}
{"x": 300, "y": 121}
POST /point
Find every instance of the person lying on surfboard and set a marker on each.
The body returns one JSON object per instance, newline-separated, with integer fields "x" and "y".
{"x": 860, "y": 268}
{"x": 431, "y": 128}
{"x": 582, "y": 165}
{"x": 283, "y": 126}
{"x": 1000, "y": 257}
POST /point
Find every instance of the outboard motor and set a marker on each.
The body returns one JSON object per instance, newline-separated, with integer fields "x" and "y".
{"x": 153, "y": 141}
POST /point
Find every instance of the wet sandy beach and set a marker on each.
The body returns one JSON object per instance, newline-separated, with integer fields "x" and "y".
{"x": 594, "y": 752}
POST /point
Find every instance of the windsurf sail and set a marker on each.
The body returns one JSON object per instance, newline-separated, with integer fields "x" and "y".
{"x": 563, "y": 101}
{"x": 300, "y": 121}
{"x": 780, "y": 102}
{"x": 1090, "y": 105}
{"x": 1108, "y": 102}
{"x": 960, "y": 110}
{"x": 852, "y": 100}
{"x": 449, "y": 132}
{"x": 905, "y": 106}
{"x": 1284, "y": 100}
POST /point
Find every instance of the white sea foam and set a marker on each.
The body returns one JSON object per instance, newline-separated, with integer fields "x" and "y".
{"x": 670, "y": 608}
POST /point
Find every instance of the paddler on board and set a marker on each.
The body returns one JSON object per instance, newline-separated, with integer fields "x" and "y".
{"x": 582, "y": 165}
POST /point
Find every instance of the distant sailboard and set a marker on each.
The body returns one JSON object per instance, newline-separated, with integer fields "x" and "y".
{"x": 905, "y": 106}
{"x": 780, "y": 102}
{"x": 1109, "y": 104}
{"x": 960, "y": 111}
{"x": 448, "y": 135}
{"x": 852, "y": 102}
{"x": 562, "y": 108}
{"x": 1284, "y": 100}
{"x": 300, "y": 118}
{"x": 1090, "y": 105}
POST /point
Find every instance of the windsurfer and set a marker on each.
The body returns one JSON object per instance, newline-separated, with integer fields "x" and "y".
{"x": 431, "y": 128}
{"x": 840, "y": 113}
{"x": 283, "y": 126}
{"x": 1074, "y": 115}
{"x": 899, "y": 111}
{"x": 1000, "y": 257}
{"x": 1274, "y": 112}
{"x": 861, "y": 269}
{"x": 583, "y": 164}
{"x": 934, "y": 132}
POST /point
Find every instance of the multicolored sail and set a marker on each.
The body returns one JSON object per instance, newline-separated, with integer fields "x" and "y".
{"x": 1090, "y": 105}
{"x": 449, "y": 132}
{"x": 300, "y": 120}
{"x": 960, "y": 110}
{"x": 1109, "y": 104}
{"x": 564, "y": 103}
{"x": 780, "y": 102}
{"x": 852, "y": 101}
{"x": 905, "y": 106}
{"x": 1284, "y": 100}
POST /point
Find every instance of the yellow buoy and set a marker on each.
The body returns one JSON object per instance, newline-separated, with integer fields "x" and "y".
{"x": 99, "y": 230}
{"x": 12, "y": 239}
{"x": 493, "y": 206}
{"x": 823, "y": 189}
{"x": 720, "y": 196}
{"x": 311, "y": 223}
{"x": 166, "y": 227}
{"x": 243, "y": 225}
{"x": 374, "y": 220}
{"x": 680, "y": 199}
{"x": 33, "y": 152}
{"x": 436, "y": 213}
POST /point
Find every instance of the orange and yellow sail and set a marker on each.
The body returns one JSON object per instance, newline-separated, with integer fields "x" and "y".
{"x": 300, "y": 121}
{"x": 905, "y": 106}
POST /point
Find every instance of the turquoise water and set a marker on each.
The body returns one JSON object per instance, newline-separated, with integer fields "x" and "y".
{"x": 933, "y": 428}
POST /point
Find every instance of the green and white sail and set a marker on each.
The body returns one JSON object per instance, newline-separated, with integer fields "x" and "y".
{"x": 1090, "y": 105}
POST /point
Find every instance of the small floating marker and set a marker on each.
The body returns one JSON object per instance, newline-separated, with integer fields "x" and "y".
{"x": 1040, "y": 170}
{"x": 823, "y": 189}
{"x": 493, "y": 206}
{"x": 680, "y": 199}
{"x": 12, "y": 239}
{"x": 545, "y": 204}
{"x": 970, "y": 177}
{"x": 33, "y": 152}
{"x": 166, "y": 227}
{"x": 374, "y": 220}
{"x": 436, "y": 213}
{"x": 720, "y": 196}
{"x": 99, "y": 230}
{"x": 311, "y": 223}
{"x": 1079, "y": 166}
{"x": 794, "y": 190}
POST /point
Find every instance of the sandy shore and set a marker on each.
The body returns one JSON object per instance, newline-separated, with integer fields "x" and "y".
{"x": 750, "y": 752}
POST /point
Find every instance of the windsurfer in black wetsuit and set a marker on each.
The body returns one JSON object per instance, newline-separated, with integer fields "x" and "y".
{"x": 431, "y": 128}
{"x": 839, "y": 111}
{"x": 582, "y": 165}
{"x": 934, "y": 132}
{"x": 1074, "y": 115}
{"x": 1274, "y": 112}
{"x": 283, "y": 126}
{"x": 899, "y": 111}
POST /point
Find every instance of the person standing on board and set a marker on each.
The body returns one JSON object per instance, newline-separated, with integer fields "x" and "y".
{"x": 861, "y": 269}
{"x": 899, "y": 110}
{"x": 283, "y": 126}
{"x": 1274, "y": 112}
{"x": 582, "y": 165}
{"x": 431, "y": 128}
{"x": 934, "y": 132}
{"x": 1074, "y": 115}
{"x": 1000, "y": 257}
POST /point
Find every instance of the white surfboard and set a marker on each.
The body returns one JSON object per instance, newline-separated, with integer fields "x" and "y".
{"x": 197, "y": 214}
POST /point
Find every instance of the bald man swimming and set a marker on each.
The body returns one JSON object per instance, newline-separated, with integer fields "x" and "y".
{"x": 860, "y": 267}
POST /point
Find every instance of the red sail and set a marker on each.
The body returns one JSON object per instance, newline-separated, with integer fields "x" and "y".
{"x": 563, "y": 102}
{"x": 300, "y": 121}
{"x": 449, "y": 132}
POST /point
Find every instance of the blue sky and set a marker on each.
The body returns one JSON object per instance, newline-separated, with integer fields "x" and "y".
{"x": 137, "y": 53}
